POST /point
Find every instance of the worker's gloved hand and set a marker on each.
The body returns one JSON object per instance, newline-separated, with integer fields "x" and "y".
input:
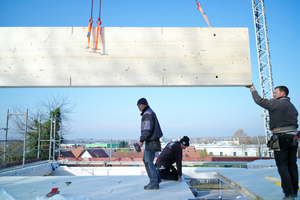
{"x": 250, "y": 86}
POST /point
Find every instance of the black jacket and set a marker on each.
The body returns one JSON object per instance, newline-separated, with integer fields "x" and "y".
{"x": 172, "y": 153}
{"x": 150, "y": 128}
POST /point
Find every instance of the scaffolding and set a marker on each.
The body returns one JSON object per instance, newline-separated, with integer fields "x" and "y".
{"x": 53, "y": 140}
{"x": 264, "y": 60}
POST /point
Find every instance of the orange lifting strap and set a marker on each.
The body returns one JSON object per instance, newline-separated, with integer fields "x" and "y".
{"x": 98, "y": 26}
{"x": 90, "y": 27}
{"x": 199, "y": 7}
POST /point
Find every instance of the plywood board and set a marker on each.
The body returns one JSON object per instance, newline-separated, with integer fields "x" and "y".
{"x": 58, "y": 57}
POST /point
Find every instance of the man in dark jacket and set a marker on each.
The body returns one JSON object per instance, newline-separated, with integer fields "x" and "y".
{"x": 283, "y": 123}
{"x": 150, "y": 134}
{"x": 172, "y": 153}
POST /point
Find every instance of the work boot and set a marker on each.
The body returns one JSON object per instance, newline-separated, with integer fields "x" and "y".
{"x": 148, "y": 187}
{"x": 288, "y": 197}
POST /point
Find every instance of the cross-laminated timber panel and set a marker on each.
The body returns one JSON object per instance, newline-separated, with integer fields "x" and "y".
{"x": 58, "y": 57}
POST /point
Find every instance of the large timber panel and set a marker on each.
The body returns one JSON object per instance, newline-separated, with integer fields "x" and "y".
{"x": 58, "y": 56}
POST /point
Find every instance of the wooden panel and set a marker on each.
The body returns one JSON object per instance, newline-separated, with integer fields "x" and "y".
{"x": 52, "y": 56}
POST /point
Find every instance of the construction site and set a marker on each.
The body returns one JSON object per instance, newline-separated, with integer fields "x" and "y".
{"x": 45, "y": 164}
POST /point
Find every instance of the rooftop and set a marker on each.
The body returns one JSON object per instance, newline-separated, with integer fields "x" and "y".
{"x": 259, "y": 181}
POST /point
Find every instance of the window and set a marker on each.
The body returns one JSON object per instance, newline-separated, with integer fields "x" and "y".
{"x": 234, "y": 153}
{"x": 221, "y": 153}
{"x": 246, "y": 153}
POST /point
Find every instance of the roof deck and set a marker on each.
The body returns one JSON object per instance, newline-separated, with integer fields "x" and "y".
{"x": 260, "y": 180}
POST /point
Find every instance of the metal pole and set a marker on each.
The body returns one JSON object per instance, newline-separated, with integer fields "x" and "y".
{"x": 60, "y": 121}
{"x": 39, "y": 141}
{"x": 220, "y": 197}
{"x": 50, "y": 141}
{"x": 6, "y": 132}
{"x": 110, "y": 149}
{"x": 54, "y": 138}
{"x": 259, "y": 147}
{"x": 25, "y": 135}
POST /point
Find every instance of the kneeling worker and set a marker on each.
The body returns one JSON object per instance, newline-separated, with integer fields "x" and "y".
{"x": 172, "y": 153}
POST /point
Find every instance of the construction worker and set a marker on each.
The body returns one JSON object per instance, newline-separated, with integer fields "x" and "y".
{"x": 150, "y": 134}
{"x": 283, "y": 123}
{"x": 172, "y": 153}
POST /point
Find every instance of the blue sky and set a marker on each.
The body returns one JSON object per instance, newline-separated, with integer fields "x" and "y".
{"x": 192, "y": 111}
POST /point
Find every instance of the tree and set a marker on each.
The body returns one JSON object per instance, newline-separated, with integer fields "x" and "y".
{"x": 15, "y": 147}
{"x": 203, "y": 153}
{"x": 45, "y": 131}
{"x": 41, "y": 110}
{"x": 58, "y": 107}
{"x": 123, "y": 144}
{"x": 241, "y": 137}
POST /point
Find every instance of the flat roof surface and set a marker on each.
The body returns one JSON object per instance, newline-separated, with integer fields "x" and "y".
{"x": 94, "y": 187}
{"x": 259, "y": 179}
{"x": 128, "y": 182}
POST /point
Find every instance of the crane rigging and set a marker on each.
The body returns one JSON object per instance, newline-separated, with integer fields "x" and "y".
{"x": 199, "y": 7}
{"x": 263, "y": 54}
{"x": 262, "y": 45}
{"x": 91, "y": 26}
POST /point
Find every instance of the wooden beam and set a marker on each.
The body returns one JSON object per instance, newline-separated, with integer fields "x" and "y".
{"x": 58, "y": 57}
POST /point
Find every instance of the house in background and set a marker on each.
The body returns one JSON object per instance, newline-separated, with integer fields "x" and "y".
{"x": 93, "y": 153}
{"x": 67, "y": 154}
{"x": 191, "y": 152}
{"x": 77, "y": 152}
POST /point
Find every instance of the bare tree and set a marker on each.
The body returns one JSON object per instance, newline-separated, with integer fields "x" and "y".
{"x": 241, "y": 137}
{"x": 41, "y": 110}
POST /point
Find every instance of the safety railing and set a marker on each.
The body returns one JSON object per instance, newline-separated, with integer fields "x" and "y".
{"x": 112, "y": 149}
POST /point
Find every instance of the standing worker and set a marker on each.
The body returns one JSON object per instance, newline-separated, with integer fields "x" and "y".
{"x": 150, "y": 134}
{"x": 283, "y": 123}
{"x": 172, "y": 153}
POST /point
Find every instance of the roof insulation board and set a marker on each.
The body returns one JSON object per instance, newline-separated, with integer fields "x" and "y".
{"x": 126, "y": 56}
{"x": 111, "y": 183}
{"x": 93, "y": 188}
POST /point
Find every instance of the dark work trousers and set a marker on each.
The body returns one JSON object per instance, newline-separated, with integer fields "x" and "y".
{"x": 286, "y": 161}
{"x": 148, "y": 158}
{"x": 169, "y": 173}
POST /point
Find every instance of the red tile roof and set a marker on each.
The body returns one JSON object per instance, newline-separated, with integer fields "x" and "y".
{"x": 77, "y": 152}
{"x": 129, "y": 154}
{"x": 191, "y": 152}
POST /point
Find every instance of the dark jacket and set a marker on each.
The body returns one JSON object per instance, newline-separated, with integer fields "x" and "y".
{"x": 282, "y": 112}
{"x": 172, "y": 153}
{"x": 150, "y": 128}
